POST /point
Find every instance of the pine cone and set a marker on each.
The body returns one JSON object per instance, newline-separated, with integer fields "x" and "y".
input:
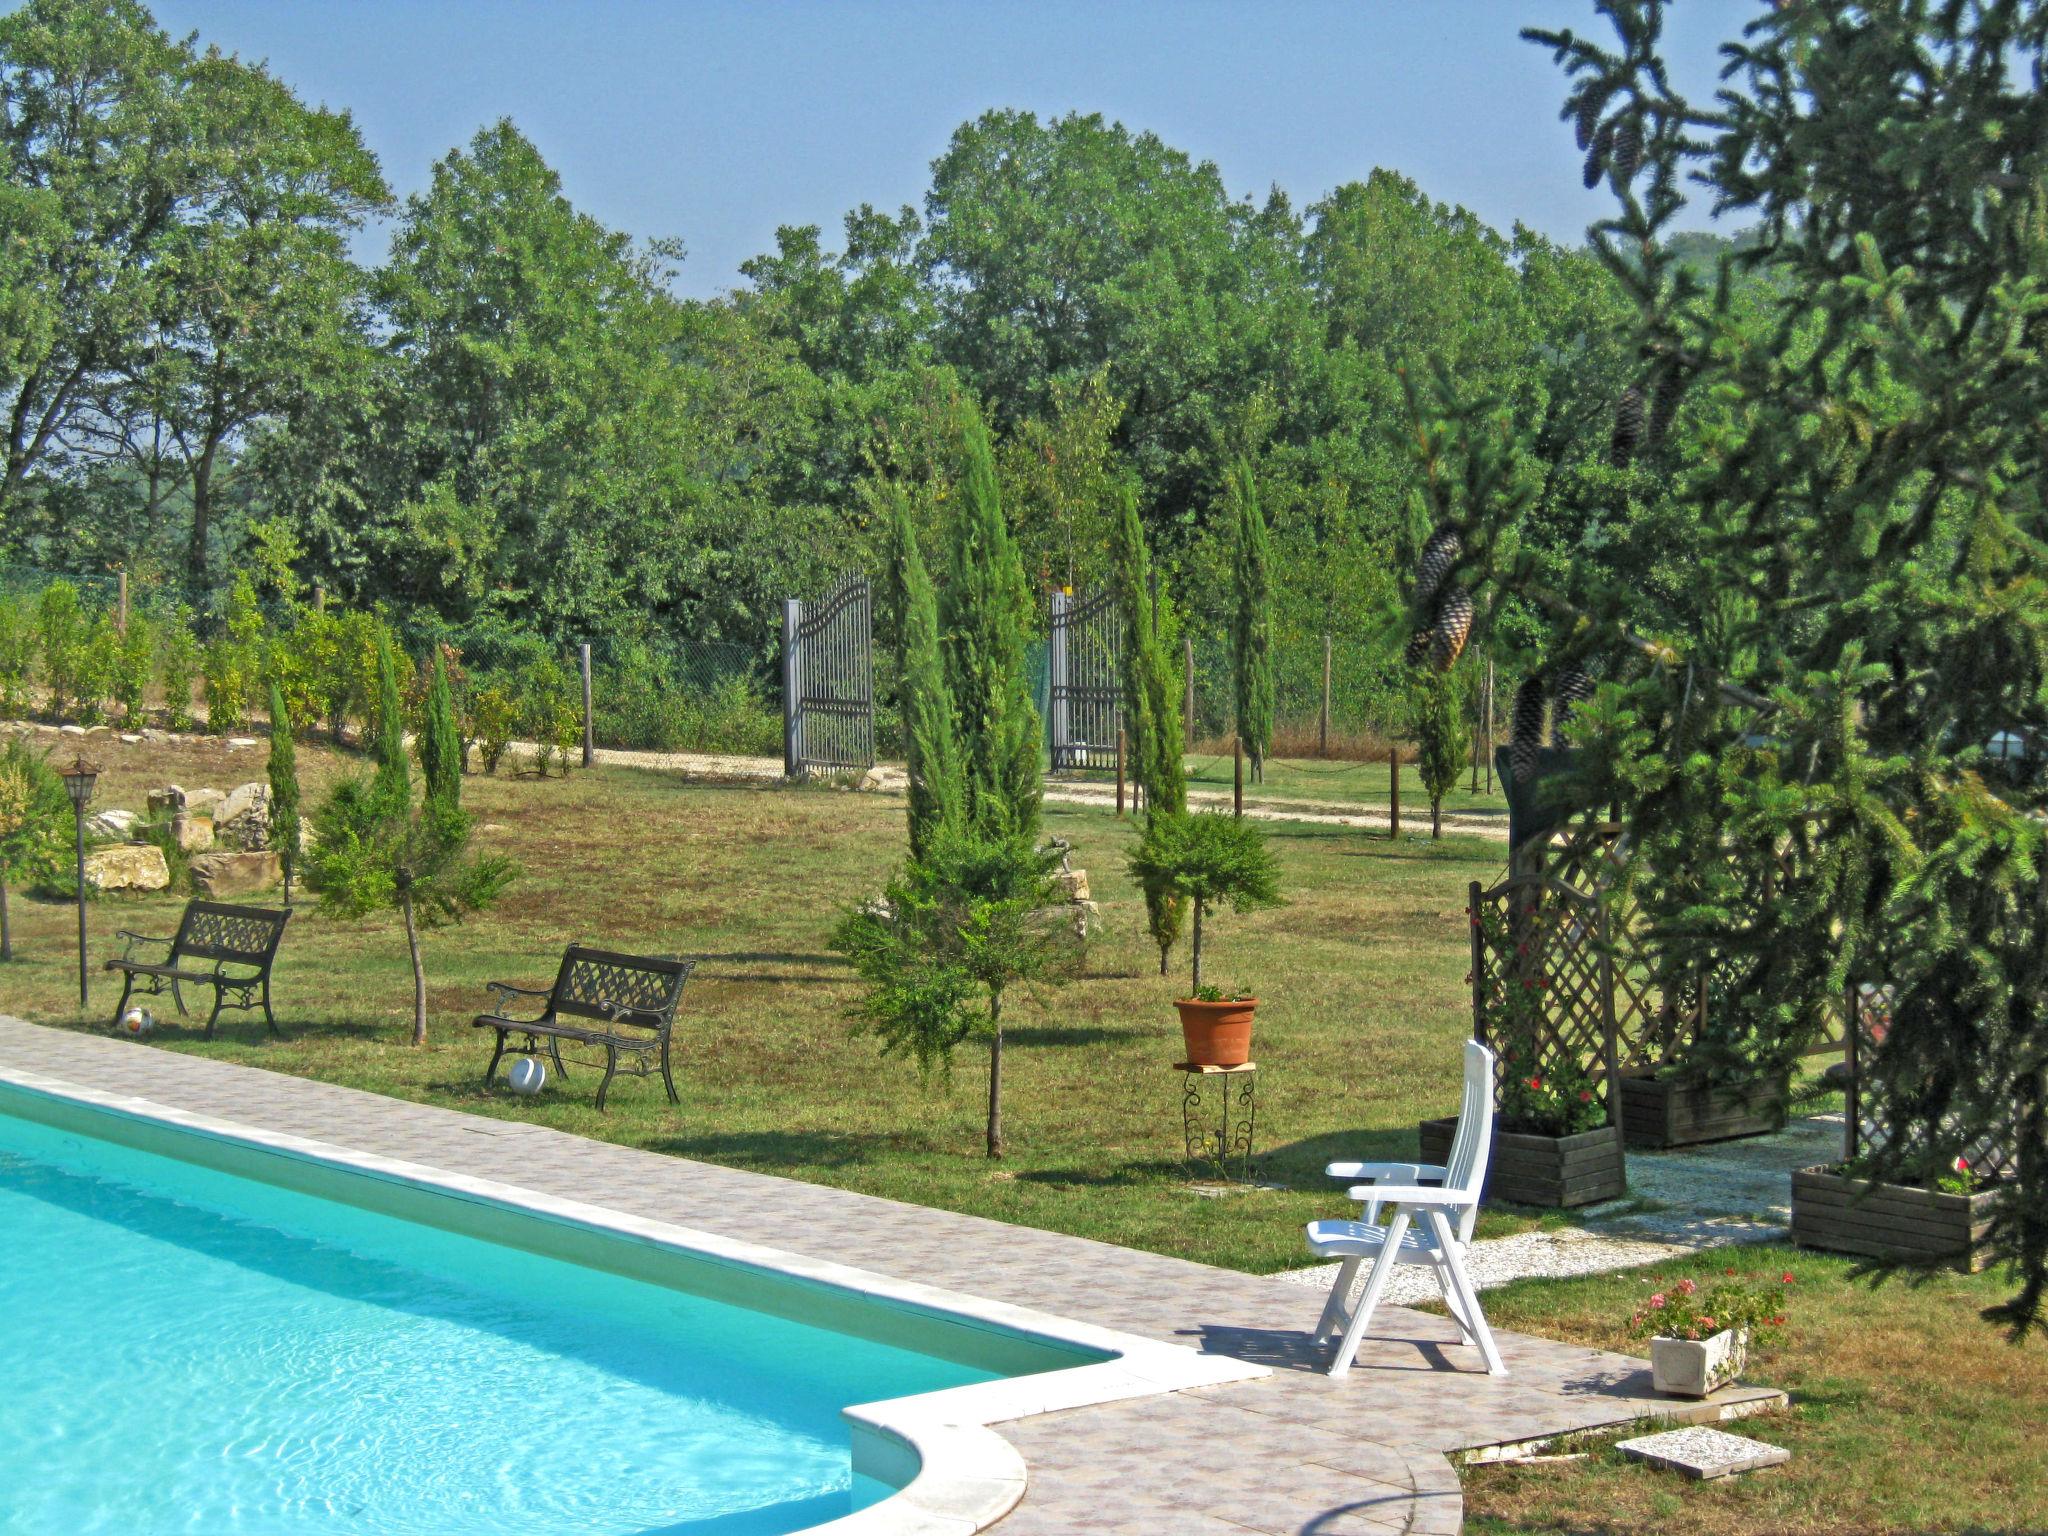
{"x": 1588, "y": 121}
{"x": 1627, "y": 157}
{"x": 1452, "y": 629}
{"x": 1438, "y": 555}
{"x": 1596, "y": 157}
{"x": 1628, "y": 427}
{"x": 1526, "y": 728}
{"x": 1416, "y": 649}
{"x": 1664, "y": 402}
{"x": 1572, "y": 688}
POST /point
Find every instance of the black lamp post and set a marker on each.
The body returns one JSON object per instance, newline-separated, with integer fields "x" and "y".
{"x": 78, "y": 782}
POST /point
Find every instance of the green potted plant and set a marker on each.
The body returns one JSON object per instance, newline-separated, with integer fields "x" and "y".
{"x": 1700, "y": 1337}
{"x": 1208, "y": 860}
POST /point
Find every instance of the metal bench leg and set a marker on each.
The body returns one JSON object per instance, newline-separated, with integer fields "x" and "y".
{"x": 496, "y": 1056}
{"x": 219, "y": 997}
{"x": 611, "y": 1065}
{"x": 555, "y": 1052}
{"x": 177, "y": 996}
{"x": 127, "y": 984}
{"x": 667, "y": 1078}
{"x": 268, "y": 1018}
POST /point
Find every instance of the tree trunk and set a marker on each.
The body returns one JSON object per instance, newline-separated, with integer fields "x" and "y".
{"x": 419, "y": 974}
{"x": 995, "y": 1075}
{"x": 6, "y": 932}
{"x": 1436, "y": 817}
{"x": 202, "y": 510}
{"x": 1198, "y": 946}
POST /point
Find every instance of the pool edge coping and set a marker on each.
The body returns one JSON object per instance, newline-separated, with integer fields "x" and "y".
{"x": 967, "y": 1476}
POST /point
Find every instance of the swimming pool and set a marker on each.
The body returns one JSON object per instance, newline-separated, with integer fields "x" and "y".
{"x": 202, "y": 1335}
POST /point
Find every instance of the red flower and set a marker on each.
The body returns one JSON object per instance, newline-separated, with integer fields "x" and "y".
{"x": 1778, "y": 1321}
{"x": 1707, "y": 1323}
{"x": 1657, "y": 1300}
{"x": 1687, "y": 1287}
{"x": 1536, "y": 1083}
{"x": 1585, "y": 1095}
{"x": 1786, "y": 1277}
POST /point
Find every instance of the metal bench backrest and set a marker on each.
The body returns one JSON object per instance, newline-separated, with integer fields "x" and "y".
{"x": 634, "y": 990}
{"x": 214, "y": 930}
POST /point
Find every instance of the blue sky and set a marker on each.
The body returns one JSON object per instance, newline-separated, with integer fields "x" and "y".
{"x": 715, "y": 121}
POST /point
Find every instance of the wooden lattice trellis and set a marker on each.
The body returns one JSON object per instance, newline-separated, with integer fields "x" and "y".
{"x": 1869, "y": 1131}
{"x": 1543, "y": 988}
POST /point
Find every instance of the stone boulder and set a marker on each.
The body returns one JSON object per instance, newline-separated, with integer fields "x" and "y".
{"x": 193, "y": 833}
{"x": 222, "y": 876}
{"x": 1072, "y": 883}
{"x": 167, "y": 801}
{"x": 204, "y": 800}
{"x": 112, "y": 825}
{"x": 127, "y": 867}
{"x": 242, "y": 819}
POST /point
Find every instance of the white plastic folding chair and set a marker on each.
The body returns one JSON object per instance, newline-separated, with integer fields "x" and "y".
{"x": 1448, "y": 1209}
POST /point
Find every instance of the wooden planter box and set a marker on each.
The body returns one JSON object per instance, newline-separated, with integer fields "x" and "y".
{"x": 1542, "y": 1170}
{"x": 1891, "y": 1221}
{"x": 1657, "y": 1112}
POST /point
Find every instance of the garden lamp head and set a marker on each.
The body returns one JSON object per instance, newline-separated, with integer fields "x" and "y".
{"x": 78, "y": 782}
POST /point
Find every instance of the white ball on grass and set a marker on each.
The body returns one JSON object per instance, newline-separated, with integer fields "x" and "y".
{"x": 528, "y": 1076}
{"x": 137, "y": 1021}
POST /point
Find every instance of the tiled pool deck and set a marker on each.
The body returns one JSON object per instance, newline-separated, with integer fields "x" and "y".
{"x": 1290, "y": 1454}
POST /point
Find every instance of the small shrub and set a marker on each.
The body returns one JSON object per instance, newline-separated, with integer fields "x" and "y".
{"x": 492, "y": 721}
{"x": 98, "y": 667}
{"x": 60, "y": 626}
{"x": 134, "y": 661}
{"x": 233, "y": 660}
{"x": 549, "y": 710}
{"x": 180, "y": 669}
{"x": 17, "y": 654}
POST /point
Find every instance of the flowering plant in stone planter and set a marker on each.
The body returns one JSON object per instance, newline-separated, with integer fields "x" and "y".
{"x": 1700, "y": 1337}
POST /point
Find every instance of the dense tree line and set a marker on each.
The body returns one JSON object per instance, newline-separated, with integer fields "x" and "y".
{"x": 513, "y": 427}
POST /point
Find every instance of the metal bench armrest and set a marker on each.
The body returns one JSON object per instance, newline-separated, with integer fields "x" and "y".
{"x": 132, "y": 939}
{"x": 504, "y": 994}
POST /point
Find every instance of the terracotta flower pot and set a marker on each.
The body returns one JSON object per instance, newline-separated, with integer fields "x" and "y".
{"x": 1217, "y": 1034}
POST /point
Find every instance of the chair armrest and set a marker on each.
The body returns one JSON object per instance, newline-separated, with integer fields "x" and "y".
{"x": 653, "y": 1018}
{"x": 1414, "y": 1173}
{"x": 132, "y": 939}
{"x": 1413, "y": 1194}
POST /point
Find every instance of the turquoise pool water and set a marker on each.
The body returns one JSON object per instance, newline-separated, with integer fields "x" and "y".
{"x": 183, "y": 1349}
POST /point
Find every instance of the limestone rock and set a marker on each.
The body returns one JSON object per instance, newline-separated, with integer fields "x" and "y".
{"x": 130, "y": 739}
{"x": 224, "y": 875}
{"x": 127, "y": 867}
{"x": 242, "y": 820}
{"x": 168, "y": 800}
{"x": 1073, "y": 884}
{"x": 871, "y": 780}
{"x": 205, "y": 801}
{"x": 155, "y": 737}
{"x": 111, "y": 824}
{"x": 193, "y": 833}
{"x": 236, "y": 743}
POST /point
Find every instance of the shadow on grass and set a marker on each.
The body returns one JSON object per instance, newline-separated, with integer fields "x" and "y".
{"x": 1123, "y": 1176}
{"x": 1075, "y": 1034}
{"x": 1305, "y": 1160}
{"x": 777, "y": 1149}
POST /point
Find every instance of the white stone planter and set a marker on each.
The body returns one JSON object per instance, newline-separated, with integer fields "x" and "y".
{"x": 1685, "y": 1368}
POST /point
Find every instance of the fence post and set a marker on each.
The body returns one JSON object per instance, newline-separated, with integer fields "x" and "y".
{"x": 792, "y": 739}
{"x": 121, "y": 602}
{"x": 1119, "y": 770}
{"x": 1059, "y": 684}
{"x": 1236, "y": 774}
{"x": 319, "y": 599}
{"x": 1187, "y": 714}
{"x": 1489, "y": 725}
{"x": 1394, "y": 798}
{"x": 1323, "y": 725}
{"x": 589, "y": 733}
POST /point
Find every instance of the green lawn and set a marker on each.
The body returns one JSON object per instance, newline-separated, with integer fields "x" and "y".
{"x": 1337, "y": 782}
{"x": 1910, "y": 1414}
{"x": 1361, "y": 979}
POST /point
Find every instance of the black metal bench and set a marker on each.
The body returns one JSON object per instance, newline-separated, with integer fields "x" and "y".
{"x": 621, "y": 1002}
{"x": 212, "y": 937}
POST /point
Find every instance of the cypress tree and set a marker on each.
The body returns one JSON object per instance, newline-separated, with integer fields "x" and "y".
{"x": 394, "y": 777}
{"x": 986, "y": 613}
{"x": 440, "y": 744}
{"x": 931, "y": 731}
{"x": 284, "y": 789}
{"x": 1252, "y": 631}
{"x": 1151, "y": 698}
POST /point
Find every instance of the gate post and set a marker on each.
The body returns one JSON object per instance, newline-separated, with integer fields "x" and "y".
{"x": 589, "y": 733}
{"x": 1058, "y": 682}
{"x": 792, "y": 729}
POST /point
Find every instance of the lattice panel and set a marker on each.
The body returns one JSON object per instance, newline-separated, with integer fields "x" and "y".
{"x": 1539, "y": 989}
{"x": 602, "y": 985}
{"x": 1987, "y": 1157}
{"x": 222, "y": 935}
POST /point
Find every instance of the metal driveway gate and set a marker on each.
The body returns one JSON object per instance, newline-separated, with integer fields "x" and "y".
{"x": 1085, "y": 697}
{"x": 828, "y": 681}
